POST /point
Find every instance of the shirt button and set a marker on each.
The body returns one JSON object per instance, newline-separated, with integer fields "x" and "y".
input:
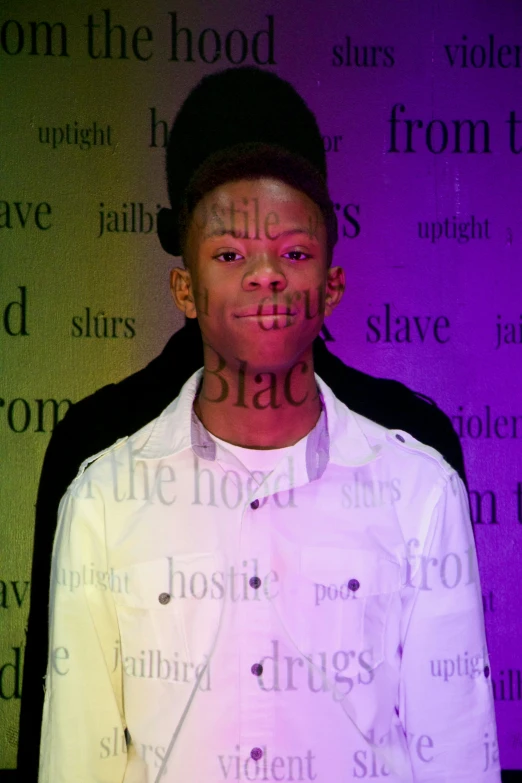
{"x": 164, "y": 598}
{"x": 256, "y": 669}
{"x": 354, "y": 584}
{"x": 254, "y": 582}
{"x": 399, "y": 437}
{"x": 486, "y": 671}
{"x": 256, "y": 753}
{"x": 254, "y": 504}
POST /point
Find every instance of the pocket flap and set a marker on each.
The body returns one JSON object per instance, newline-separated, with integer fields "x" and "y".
{"x": 337, "y": 567}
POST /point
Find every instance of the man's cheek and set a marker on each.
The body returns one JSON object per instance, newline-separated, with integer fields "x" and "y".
{"x": 313, "y": 302}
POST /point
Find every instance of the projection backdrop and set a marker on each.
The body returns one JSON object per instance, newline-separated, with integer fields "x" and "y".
{"x": 420, "y": 107}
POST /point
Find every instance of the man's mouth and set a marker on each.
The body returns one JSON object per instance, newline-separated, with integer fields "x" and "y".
{"x": 265, "y": 312}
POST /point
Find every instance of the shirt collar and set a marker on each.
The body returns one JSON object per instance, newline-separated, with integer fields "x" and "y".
{"x": 338, "y": 436}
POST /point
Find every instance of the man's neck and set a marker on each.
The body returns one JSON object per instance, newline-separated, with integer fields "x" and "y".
{"x": 267, "y": 410}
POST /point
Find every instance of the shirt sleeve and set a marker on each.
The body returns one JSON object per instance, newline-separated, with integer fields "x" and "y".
{"x": 83, "y": 729}
{"x": 446, "y": 704}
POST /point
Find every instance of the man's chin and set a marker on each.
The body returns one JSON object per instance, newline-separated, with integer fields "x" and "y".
{"x": 259, "y": 360}
{"x": 270, "y": 352}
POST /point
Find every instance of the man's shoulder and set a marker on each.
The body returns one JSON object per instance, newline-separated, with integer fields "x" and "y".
{"x": 402, "y": 448}
{"x": 99, "y": 467}
{"x": 159, "y": 437}
{"x": 393, "y": 405}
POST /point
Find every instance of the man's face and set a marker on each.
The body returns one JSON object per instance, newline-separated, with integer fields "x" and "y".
{"x": 257, "y": 273}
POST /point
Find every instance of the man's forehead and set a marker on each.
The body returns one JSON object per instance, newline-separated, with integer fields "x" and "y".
{"x": 241, "y": 208}
{"x": 263, "y": 189}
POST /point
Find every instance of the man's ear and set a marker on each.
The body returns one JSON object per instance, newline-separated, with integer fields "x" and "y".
{"x": 182, "y": 291}
{"x": 335, "y": 285}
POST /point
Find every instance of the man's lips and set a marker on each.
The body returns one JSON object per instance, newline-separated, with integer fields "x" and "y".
{"x": 264, "y": 312}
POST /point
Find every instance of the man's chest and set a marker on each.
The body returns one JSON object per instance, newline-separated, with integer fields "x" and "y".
{"x": 317, "y": 565}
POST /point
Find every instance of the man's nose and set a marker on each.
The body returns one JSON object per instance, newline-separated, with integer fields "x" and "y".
{"x": 265, "y": 272}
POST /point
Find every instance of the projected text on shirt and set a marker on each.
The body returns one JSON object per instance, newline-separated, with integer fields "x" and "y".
{"x": 367, "y": 762}
{"x": 318, "y": 671}
{"x": 452, "y": 570}
{"x": 267, "y": 764}
{"x": 234, "y": 490}
{"x": 115, "y": 743}
{"x": 153, "y": 664}
{"x": 231, "y": 584}
{"x": 90, "y": 576}
{"x": 155, "y": 482}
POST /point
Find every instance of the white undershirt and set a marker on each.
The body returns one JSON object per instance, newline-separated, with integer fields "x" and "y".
{"x": 264, "y": 460}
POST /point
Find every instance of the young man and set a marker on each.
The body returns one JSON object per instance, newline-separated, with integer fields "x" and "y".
{"x": 261, "y": 584}
{"x": 201, "y": 127}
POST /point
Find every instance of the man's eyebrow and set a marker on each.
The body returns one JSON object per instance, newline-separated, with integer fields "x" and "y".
{"x": 286, "y": 233}
{"x": 291, "y": 231}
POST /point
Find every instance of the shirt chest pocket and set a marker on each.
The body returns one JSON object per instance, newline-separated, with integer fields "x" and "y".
{"x": 347, "y": 601}
{"x": 166, "y": 607}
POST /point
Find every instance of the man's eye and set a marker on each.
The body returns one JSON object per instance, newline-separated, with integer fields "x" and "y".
{"x": 295, "y": 253}
{"x": 229, "y": 255}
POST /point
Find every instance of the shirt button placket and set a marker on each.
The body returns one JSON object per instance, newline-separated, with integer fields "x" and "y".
{"x": 256, "y": 706}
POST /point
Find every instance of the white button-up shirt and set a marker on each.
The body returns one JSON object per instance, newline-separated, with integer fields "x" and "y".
{"x": 321, "y": 621}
